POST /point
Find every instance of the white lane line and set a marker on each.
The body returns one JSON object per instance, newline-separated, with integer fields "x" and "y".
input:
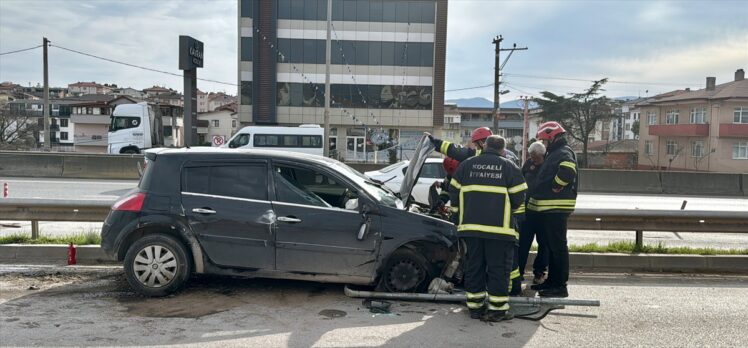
{"x": 129, "y": 183}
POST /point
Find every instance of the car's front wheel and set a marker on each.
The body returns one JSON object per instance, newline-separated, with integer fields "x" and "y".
{"x": 407, "y": 271}
{"x": 157, "y": 265}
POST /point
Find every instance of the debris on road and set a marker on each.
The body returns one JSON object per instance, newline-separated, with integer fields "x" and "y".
{"x": 377, "y": 307}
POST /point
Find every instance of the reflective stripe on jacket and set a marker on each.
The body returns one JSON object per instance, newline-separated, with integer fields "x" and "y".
{"x": 487, "y": 188}
{"x": 558, "y": 171}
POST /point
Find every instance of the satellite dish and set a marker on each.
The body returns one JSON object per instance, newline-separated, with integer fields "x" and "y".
{"x": 518, "y": 147}
{"x": 517, "y": 139}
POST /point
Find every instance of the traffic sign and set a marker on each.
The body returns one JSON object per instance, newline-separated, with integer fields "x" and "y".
{"x": 518, "y": 147}
{"x": 517, "y": 139}
{"x": 218, "y": 140}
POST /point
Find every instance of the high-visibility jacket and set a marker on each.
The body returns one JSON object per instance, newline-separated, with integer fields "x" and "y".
{"x": 486, "y": 189}
{"x": 558, "y": 171}
{"x": 461, "y": 153}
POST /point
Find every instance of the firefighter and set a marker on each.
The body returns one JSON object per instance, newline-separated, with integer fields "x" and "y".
{"x": 552, "y": 200}
{"x": 486, "y": 189}
{"x": 450, "y": 166}
{"x": 528, "y": 230}
{"x": 478, "y": 138}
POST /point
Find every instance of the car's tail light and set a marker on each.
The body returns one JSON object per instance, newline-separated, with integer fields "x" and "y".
{"x": 133, "y": 202}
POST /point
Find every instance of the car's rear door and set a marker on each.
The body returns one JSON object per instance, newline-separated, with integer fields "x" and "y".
{"x": 227, "y": 207}
{"x": 315, "y": 233}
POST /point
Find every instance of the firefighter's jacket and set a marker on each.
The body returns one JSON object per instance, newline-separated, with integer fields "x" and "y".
{"x": 558, "y": 171}
{"x": 486, "y": 189}
{"x": 461, "y": 153}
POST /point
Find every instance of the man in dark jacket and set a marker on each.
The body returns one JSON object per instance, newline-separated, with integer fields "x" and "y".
{"x": 487, "y": 188}
{"x": 528, "y": 229}
{"x": 552, "y": 200}
{"x": 460, "y": 153}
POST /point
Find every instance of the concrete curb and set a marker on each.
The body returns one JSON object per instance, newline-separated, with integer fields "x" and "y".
{"x": 608, "y": 262}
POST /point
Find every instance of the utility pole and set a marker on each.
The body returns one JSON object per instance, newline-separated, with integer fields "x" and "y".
{"x": 525, "y": 130}
{"x": 497, "y": 78}
{"x": 328, "y": 47}
{"x": 46, "y": 108}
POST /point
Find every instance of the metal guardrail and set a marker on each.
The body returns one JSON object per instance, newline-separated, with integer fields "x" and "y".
{"x": 702, "y": 221}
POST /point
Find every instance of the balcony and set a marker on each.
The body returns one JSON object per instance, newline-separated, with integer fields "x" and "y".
{"x": 680, "y": 130}
{"x": 733, "y": 130}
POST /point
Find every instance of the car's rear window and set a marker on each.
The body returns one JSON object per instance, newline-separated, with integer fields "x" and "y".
{"x": 241, "y": 181}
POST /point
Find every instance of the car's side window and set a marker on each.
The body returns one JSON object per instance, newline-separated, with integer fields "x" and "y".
{"x": 241, "y": 181}
{"x": 309, "y": 187}
{"x": 432, "y": 171}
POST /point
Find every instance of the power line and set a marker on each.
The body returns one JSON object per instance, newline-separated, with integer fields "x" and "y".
{"x": 467, "y": 88}
{"x": 21, "y": 50}
{"x": 588, "y": 80}
{"x": 136, "y": 66}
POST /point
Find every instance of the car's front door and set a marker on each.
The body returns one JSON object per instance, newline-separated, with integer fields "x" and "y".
{"x": 227, "y": 207}
{"x": 315, "y": 233}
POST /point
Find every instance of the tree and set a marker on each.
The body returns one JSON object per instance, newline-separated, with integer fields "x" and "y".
{"x": 578, "y": 113}
{"x": 635, "y": 129}
{"x": 16, "y": 129}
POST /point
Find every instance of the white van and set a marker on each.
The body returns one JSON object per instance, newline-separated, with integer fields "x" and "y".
{"x": 307, "y": 138}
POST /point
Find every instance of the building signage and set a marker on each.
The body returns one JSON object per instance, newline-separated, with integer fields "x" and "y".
{"x": 190, "y": 53}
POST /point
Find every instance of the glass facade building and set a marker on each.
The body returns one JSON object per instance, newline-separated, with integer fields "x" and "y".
{"x": 387, "y": 67}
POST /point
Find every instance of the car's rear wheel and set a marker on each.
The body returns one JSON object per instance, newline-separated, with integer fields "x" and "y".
{"x": 157, "y": 265}
{"x": 407, "y": 271}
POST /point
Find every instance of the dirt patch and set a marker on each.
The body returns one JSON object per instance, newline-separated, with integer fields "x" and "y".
{"x": 188, "y": 304}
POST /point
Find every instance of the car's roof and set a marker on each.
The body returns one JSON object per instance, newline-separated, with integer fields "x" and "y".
{"x": 221, "y": 152}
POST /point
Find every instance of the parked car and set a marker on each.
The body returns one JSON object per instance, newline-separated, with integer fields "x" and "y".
{"x": 393, "y": 176}
{"x": 272, "y": 214}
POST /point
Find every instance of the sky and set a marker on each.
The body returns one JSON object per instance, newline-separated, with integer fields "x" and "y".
{"x": 643, "y": 47}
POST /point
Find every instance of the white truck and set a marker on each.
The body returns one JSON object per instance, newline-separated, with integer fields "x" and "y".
{"x": 135, "y": 128}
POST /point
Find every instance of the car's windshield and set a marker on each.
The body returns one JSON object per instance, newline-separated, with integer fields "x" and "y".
{"x": 391, "y": 167}
{"x": 382, "y": 195}
{"x": 123, "y": 122}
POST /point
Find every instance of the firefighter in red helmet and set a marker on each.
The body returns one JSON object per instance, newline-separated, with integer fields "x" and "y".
{"x": 551, "y": 200}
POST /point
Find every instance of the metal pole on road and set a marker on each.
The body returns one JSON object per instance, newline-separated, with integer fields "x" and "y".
{"x": 46, "y": 108}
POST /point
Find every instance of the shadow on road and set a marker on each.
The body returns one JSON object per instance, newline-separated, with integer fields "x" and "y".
{"x": 100, "y": 309}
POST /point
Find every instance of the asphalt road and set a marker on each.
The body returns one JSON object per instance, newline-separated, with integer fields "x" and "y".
{"x": 109, "y": 190}
{"x": 95, "y": 307}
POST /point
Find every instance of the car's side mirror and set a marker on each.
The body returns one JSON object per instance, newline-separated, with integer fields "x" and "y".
{"x": 351, "y": 204}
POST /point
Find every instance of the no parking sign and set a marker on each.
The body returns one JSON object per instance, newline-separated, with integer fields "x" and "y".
{"x": 218, "y": 140}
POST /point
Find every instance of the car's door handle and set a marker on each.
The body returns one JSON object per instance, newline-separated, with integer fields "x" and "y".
{"x": 203, "y": 211}
{"x": 289, "y": 219}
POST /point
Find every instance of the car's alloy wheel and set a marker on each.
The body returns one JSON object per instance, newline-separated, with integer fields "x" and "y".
{"x": 155, "y": 266}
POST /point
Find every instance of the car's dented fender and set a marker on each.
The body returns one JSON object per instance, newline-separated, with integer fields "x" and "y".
{"x": 157, "y": 222}
{"x": 400, "y": 227}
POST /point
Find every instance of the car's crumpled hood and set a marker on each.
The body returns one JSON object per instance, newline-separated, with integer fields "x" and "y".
{"x": 423, "y": 149}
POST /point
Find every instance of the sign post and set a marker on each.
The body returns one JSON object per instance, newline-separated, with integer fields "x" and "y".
{"x": 190, "y": 58}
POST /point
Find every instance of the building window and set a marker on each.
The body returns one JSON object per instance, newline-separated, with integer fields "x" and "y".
{"x": 414, "y": 11}
{"x": 63, "y": 135}
{"x": 697, "y": 149}
{"x": 740, "y": 150}
{"x": 311, "y": 10}
{"x": 64, "y": 122}
{"x": 648, "y": 147}
{"x": 652, "y": 116}
{"x": 233, "y": 123}
{"x": 216, "y": 123}
{"x": 671, "y": 117}
{"x": 740, "y": 114}
{"x": 378, "y": 96}
{"x": 671, "y": 146}
{"x": 246, "y": 49}
{"x": 628, "y": 126}
{"x": 246, "y": 97}
{"x": 247, "y": 8}
{"x": 698, "y": 115}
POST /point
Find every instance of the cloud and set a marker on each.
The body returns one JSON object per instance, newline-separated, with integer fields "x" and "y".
{"x": 139, "y": 32}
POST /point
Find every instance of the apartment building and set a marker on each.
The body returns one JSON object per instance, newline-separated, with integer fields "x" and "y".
{"x": 30, "y": 112}
{"x": 704, "y": 130}
{"x": 91, "y": 116}
{"x": 81, "y": 88}
{"x": 223, "y": 122}
{"x": 386, "y": 74}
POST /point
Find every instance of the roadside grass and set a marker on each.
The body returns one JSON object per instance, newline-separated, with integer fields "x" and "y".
{"x": 88, "y": 238}
{"x": 625, "y": 247}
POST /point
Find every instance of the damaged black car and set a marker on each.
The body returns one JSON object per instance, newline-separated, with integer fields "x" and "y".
{"x": 275, "y": 214}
